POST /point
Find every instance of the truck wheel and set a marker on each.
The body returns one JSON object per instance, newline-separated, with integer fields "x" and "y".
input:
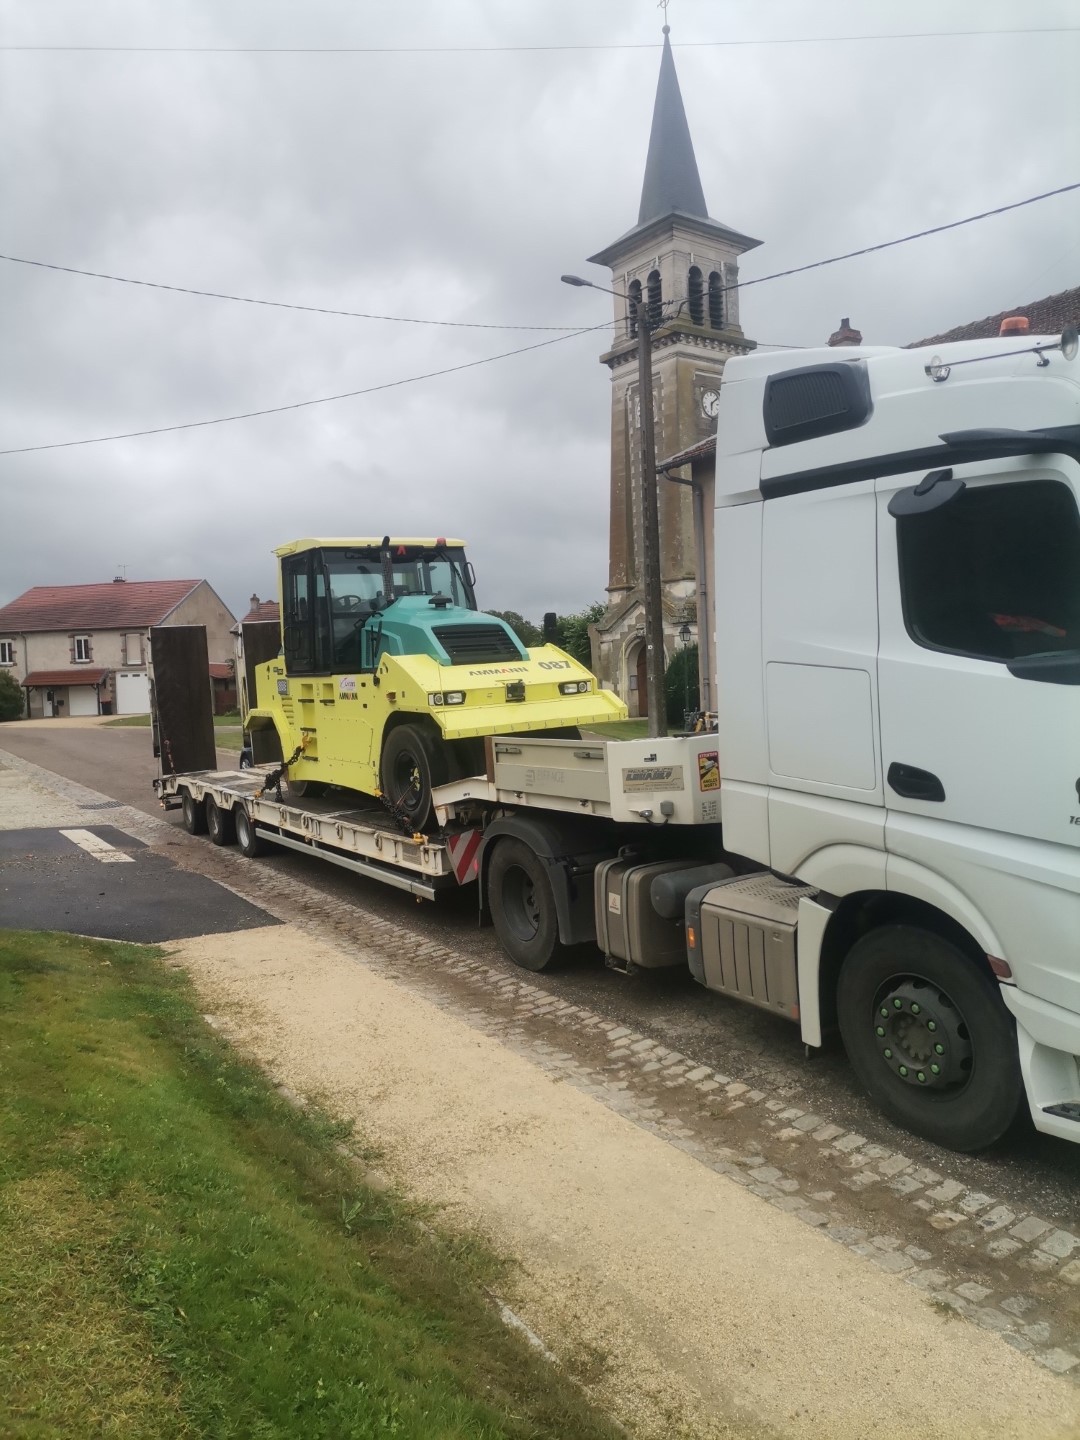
{"x": 927, "y": 1034}
{"x": 413, "y": 762}
{"x": 219, "y": 822}
{"x": 248, "y": 838}
{"x": 194, "y": 815}
{"x": 522, "y": 906}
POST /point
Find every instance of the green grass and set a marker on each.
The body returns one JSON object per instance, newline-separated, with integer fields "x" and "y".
{"x": 229, "y": 719}
{"x": 621, "y": 729}
{"x": 184, "y": 1254}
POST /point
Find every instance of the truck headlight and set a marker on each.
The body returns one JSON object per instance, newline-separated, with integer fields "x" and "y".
{"x": 574, "y": 687}
{"x": 436, "y": 698}
{"x": 446, "y": 697}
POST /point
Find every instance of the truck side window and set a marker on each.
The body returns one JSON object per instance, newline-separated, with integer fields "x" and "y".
{"x": 994, "y": 574}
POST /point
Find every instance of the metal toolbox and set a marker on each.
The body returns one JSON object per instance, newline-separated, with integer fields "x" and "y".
{"x": 628, "y": 929}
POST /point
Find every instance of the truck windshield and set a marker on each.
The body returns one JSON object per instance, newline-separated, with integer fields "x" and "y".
{"x": 357, "y": 584}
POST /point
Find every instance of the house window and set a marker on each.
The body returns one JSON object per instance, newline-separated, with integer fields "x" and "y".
{"x": 695, "y": 290}
{"x": 716, "y": 300}
{"x": 7, "y": 652}
{"x": 994, "y": 574}
{"x": 83, "y": 649}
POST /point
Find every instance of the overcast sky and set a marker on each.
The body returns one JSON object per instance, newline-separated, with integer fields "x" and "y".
{"x": 456, "y": 186}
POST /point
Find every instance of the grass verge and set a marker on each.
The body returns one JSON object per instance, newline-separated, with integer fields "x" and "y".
{"x": 622, "y": 729}
{"x": 184, "y": 1254}
{"x": 229, "y": 720}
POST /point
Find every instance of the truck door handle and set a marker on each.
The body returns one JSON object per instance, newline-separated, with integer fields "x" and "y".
{"x": 915, "y": 784}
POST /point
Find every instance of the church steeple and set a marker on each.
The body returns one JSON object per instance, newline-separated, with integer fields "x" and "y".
{"x": 685, "y": 266}
{"x": 672, "y": 181}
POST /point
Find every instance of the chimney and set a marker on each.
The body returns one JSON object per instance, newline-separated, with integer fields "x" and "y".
{"x": 255, "y": 602}
{"x": 845, "y": 335}
{"x": 118, "y": 580}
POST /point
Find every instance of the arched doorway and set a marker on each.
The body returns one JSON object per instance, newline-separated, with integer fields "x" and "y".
{"x": 637, "y": 691}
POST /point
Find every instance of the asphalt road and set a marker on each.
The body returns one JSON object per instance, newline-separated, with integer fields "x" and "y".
{"x": 1034, "y": 1172}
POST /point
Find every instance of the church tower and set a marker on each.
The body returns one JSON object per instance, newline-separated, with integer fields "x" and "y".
{"x": 685, "y": 266}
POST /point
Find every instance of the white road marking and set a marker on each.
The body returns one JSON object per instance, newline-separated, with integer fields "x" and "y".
{"x": 97, "y": 847}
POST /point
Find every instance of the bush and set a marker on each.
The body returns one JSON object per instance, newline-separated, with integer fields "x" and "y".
{"x": 12, "y": 702}
{"x": 573, "y": 632}
{"x": 681, "y": 686}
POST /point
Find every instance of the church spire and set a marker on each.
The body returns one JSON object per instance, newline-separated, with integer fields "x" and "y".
{"x": 671, "y": 181}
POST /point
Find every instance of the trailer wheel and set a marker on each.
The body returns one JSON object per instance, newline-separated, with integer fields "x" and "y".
{"x": 413, "y": 762}
{"x": 194, "y": 815}
{"x": 219, "y": 822}
{"x": 248, "y": 838}
{"x": 522, "y": 906}
{"x": 929, "y": 1037}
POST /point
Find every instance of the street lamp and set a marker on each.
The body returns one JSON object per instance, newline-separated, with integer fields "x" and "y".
{"x": 650, "y": 522}
{"x": 685, "y": 635}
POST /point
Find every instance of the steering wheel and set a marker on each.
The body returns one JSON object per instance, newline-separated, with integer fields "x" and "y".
{"x": 349, "y": 602}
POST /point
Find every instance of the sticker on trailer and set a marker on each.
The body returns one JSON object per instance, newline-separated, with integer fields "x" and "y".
{"x": 708, "y": 769}
{"x": 646, "y": 779}
{"x": 464, "y": 851}
{"x": 614, "y": 903}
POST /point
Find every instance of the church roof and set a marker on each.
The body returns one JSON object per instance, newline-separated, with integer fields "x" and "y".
{"x": 671, "y": 181}
{"x": 671, "y": 192}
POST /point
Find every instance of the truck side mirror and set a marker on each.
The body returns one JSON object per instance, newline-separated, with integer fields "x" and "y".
{"x": 934, "y": 490}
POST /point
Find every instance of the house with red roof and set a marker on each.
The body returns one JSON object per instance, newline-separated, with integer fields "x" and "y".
{"x": 84, "y": 649}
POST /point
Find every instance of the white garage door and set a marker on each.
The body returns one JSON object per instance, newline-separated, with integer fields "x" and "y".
{"x": 82, "y": 700}
{"x": 132, "y": 693}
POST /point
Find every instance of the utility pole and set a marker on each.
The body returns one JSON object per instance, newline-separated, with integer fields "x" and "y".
{"x": 652, "y": 594}
{"x": 648, "y": 515}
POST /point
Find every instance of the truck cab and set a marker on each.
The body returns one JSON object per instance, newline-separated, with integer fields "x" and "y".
{"x": 897, "y": 596}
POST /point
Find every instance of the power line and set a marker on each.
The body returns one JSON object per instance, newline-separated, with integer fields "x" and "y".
{"x": 903, "y": 239}
{"x": 521, "y": 350}
{"x": 275, "y": 304}
{"x": 303, "y": 404}
{"x": 521, "y": 49}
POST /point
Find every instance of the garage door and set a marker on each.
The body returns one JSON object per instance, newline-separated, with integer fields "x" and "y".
{"x": 82, "y": 700}
{"x": 132, "y": 693}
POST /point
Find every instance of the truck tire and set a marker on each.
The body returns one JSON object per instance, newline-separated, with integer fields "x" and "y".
{"x": 194, "y": 815}
{"x": 413, "y": 762}
{"x": 522, "y": 906}
{"x": 248, "y": 838}
{"x": 929, "y": 1037}
{"x": 219, "y": 823}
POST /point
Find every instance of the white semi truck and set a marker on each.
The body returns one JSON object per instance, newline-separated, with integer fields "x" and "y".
{"x": 883, "y": 834}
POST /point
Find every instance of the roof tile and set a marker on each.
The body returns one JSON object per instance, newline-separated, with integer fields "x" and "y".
{"x": 117, "y": 605}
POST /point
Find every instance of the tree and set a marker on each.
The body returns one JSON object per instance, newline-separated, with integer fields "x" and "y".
{"x": 681, "y": 685}
{"x": 12, "y": 703}
{"x": 525, "y": 630}
{"x": 573, "y": 632}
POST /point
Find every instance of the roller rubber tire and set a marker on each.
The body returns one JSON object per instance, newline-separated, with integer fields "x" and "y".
{"x": 978, "y": 1093}
{"x": 304, "y": 789}
{"x": 413, "y": 762}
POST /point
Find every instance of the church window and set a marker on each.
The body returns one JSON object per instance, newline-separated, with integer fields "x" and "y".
{"x": 655, "y": 298}
{"x": 716, "y": 300}
{"x": 635, "y": 301}
{"x": 696, "y": 296}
